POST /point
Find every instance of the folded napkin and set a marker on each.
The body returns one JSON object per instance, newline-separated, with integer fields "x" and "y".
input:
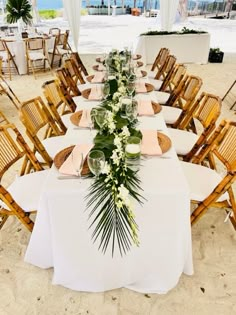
{"x": 135, "y": 57}
{"x": 85, "y": 120}
{"x": 73, "y": 161}
{"x": 145, "y": 108}
{"x": 140, "y": 87}
{"x": 150, "y": 145}
{"x": 95, "y": 93}
{"x": 101, "y": 68}
{"x": 98, "y": 77}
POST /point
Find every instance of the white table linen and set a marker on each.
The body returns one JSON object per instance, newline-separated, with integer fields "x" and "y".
{"x": 62, "y": 239}
{"x": 188, "y": 48}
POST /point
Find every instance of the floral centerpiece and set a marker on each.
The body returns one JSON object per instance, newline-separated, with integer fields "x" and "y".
{"x": 113, "y": 194}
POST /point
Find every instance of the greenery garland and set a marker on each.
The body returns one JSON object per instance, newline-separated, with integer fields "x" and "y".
{"x": 184, "y": 31}
{"x": 114, "y": 192}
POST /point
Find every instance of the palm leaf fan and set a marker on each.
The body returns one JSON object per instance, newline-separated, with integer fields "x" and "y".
{"x": 18, "y": 9}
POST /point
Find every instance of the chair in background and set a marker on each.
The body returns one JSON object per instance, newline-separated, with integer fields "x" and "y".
{"x": 158, "y": 62}
{"x": 22, "y": 196}
{"x": 5, "y": 89}
{"x": 207, "y": 187}
{"x": 7, "y": 57}
{"x": 38, "y": 122}
{"x": 181, "y": 100}
{"x": 67, "y": 82}
{"x": 60, "y": 108}
{"x": 196, "y": 127}
{"x": 162, "y": 73}
{"x": 54, "y": 31}
{"x": 36, "y": 55}
{"x": 76, "y": 57}
{"x": 173, "y": 78}
{"x": 74, "y": 71}
{"x": 61, "y": 47}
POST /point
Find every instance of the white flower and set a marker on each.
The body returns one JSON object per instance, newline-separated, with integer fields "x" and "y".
{"x": 125, "y": 132}
{"x": 106, "y": 169}
{"x": 117, "y": 142}
{"x": 115, "y": 158}
{"x": 122, "y": 89}
{"x": 111, "y": 127}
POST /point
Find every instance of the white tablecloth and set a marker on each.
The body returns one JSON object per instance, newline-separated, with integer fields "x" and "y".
{"x": 188, "y": 48}
{"x": 62, "y": 239}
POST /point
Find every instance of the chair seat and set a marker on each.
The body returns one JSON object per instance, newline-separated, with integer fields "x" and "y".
{"x": 156, "y": 83}
{"x": 182, "y": 140}
{"x": 52, "y": 145}
{"x": 162, "y": 97}
{"x": 4, "y": 56}
{"x": 152, "y": 74}
{"x": 66, "y": 120}
{"x": 202, "y": 181}
{"x": 170, "y": 114}
{"x": 36, "y": 56}
{"x": 26, "y": 189}
{"x": 63, "y": 51}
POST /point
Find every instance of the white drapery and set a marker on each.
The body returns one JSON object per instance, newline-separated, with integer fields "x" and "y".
{"x": 168, "y": 9}
{"x": 72, "y": 10}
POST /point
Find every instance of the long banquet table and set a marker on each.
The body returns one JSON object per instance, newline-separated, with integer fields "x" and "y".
{"x": 62, "y": 239}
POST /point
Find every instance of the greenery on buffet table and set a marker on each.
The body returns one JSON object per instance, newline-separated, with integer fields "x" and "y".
{"x": 184, "y": 31}
{"x": 113, "y": 194}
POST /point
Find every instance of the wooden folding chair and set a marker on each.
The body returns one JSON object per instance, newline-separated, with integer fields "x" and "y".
{"x": 165, "y": 71}
{"x": 15, "y": 201}
{"x": 58, "y": 104}
{"x": 67, "y": 82}
{"x": 167, "y": 66}
{"x": 36, "y": 55}
{"x": 189, "y": 139}
{"x": 160, "y": 58}
{"x": 76, "y": 57}
{"x": 74, "y": 71}
{"x": 181, "y": 100}
{"x": 36, "y": 118}
{"x": 61, "y": 47}
{"x": 173, "y": 78}
{"x": 5, "y": 89}
{"x": 8, "y": 57}
{"x": 54, "y": 31}
{"x": 207, "y": 187}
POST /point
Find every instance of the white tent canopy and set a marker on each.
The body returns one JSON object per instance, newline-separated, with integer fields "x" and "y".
{"x": 72, "y": 10}
{"x": 168, "y": 10}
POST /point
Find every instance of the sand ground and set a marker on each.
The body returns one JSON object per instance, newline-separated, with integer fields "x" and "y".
{"x": 27, "y": 290}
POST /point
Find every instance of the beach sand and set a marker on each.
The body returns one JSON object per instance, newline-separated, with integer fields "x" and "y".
{"x": 28, "y": 290}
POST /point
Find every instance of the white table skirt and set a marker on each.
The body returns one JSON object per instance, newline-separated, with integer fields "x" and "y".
{"x": 188, "y": 48}
{"x": 62, "y": 239}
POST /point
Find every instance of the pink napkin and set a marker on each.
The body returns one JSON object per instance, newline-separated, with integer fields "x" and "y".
{"x": 98, "y": 77}
{"x": 145, "y": 108}
{"x": 140, "y": 87}
{"x": 150, "y": 145}
{"x": 101, "y": 68}
{"x": 74, "y": 159}
{"x": 85, "y": 120}
{"x": 95, "y": 93}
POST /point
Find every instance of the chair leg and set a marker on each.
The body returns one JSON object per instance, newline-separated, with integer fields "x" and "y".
{"x": 9, "y": 69}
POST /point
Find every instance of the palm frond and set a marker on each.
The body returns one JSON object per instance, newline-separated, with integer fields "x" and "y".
{"x": 18, "y": 9}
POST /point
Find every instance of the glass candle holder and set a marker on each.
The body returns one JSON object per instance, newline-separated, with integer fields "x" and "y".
{"x": 133, "y": 148}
